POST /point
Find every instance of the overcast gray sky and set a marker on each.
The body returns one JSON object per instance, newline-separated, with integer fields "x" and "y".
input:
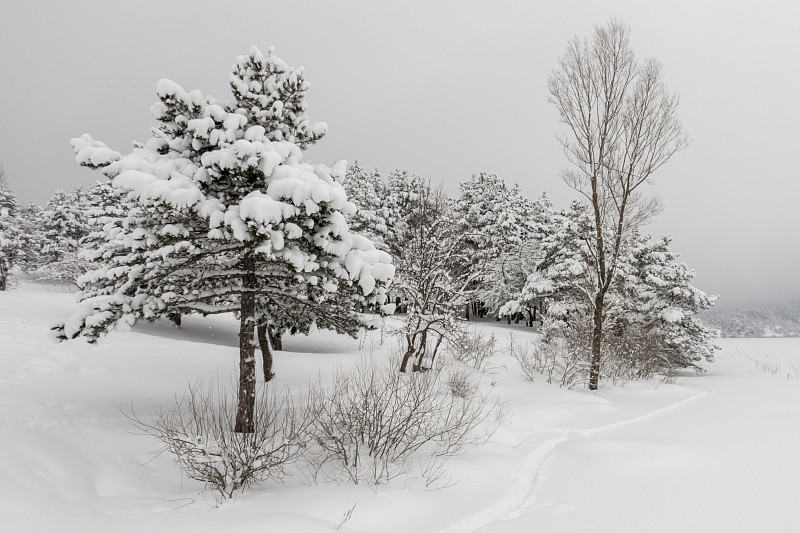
{"x": 443, "y": 89}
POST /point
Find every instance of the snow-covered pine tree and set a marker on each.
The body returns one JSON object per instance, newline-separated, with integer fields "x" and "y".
{"x": 102, "y": 204}
{"x": 650, "y": 316}
{"x": 369, "y": 194}
{"x": 226, "y": 217}
{"x": 497, "y": 223}
{"x": 272, "y": 94}
{"x": 660, "y": 300}
{"x": 402, "y": 190}
{"x": 531, "y": 274}
{"x": 31, "y": 237}
{"x": 64, "y": 227}
{"x": 9, "y": 234}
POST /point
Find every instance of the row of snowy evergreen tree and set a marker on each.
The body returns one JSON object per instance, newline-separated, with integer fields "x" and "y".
{"x": 512, "y": 254}
{"x": 50, "y": 243}
{"x": 518, "y": 256}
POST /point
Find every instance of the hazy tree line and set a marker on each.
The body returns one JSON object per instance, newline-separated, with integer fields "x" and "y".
{"x": 778, "y": 321}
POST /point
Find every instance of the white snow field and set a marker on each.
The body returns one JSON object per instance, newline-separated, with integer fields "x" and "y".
{"x": 717, "y": 452}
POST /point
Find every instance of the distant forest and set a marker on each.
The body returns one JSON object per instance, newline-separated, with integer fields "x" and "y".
{"x": 781, "y": 321}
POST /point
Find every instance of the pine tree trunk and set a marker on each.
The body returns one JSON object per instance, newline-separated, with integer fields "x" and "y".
{"x": 597, "y": 339}
{"x": 247, "y": 351}
{"x": 266, "y": 351}
{"x": 3, "y": 277}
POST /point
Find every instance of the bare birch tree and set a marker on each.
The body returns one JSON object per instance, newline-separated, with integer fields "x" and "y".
{"x": 622, "y": 127}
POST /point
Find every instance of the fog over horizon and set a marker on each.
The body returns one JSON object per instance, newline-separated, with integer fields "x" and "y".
{"x": 444, "y": 90}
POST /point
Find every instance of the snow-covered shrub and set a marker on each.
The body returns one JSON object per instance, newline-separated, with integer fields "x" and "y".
{"x": 375, "y": 424}
{"x": 199, "y": 432}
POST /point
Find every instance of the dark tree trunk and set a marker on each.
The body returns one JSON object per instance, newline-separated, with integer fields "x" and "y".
{"x": 266, "y": 352}
{"x": 176, "y": 319}
{"x": 421, "y": 351}
{"x": 275, "y": 338}
{"x": 416, "y": 349}
{"x": 3, "y": 276}
{"x": 597, "y": 339}
{"x": 406, "y": 357}
{"x": 247, "y": 352}
{"x": 435, "y": 351}
{"x": 466, "y": 312}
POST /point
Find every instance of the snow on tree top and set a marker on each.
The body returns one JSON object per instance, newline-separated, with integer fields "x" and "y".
{"x": 91, "y": 153}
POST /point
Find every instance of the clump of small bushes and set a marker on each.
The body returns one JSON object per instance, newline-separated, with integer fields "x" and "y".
{"x": 372, "y": 424}
{"x": 375, "y": 424}
{"x": 562, "y": 355}
{"x": 198, "y": 432}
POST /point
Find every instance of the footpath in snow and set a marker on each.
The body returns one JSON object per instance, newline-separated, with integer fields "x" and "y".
{"x": 725, "y": 459}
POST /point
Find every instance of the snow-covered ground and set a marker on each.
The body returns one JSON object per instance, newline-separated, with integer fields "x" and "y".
{"x": 717, "y": 452}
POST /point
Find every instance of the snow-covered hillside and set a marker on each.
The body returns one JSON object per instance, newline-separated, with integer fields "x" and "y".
{"x": 716, "y": 452}
{"x": 783, "y": 321}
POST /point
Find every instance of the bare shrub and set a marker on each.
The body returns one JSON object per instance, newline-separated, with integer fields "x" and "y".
{"x": 374, "y": 424}
{"x": 774, "y": 366}
{"x": 770, "y": 365}
{"x": 459, "y": 381}
{"x": 473, "y": 349}
{"x": 634, "y": 354}
{"x": 529, "y": 360}
{"x": 199, "y": 433}
{"x": 560, "y": 359}
{"x": 565, "y": 361}
{"x": 629, "y": 353}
